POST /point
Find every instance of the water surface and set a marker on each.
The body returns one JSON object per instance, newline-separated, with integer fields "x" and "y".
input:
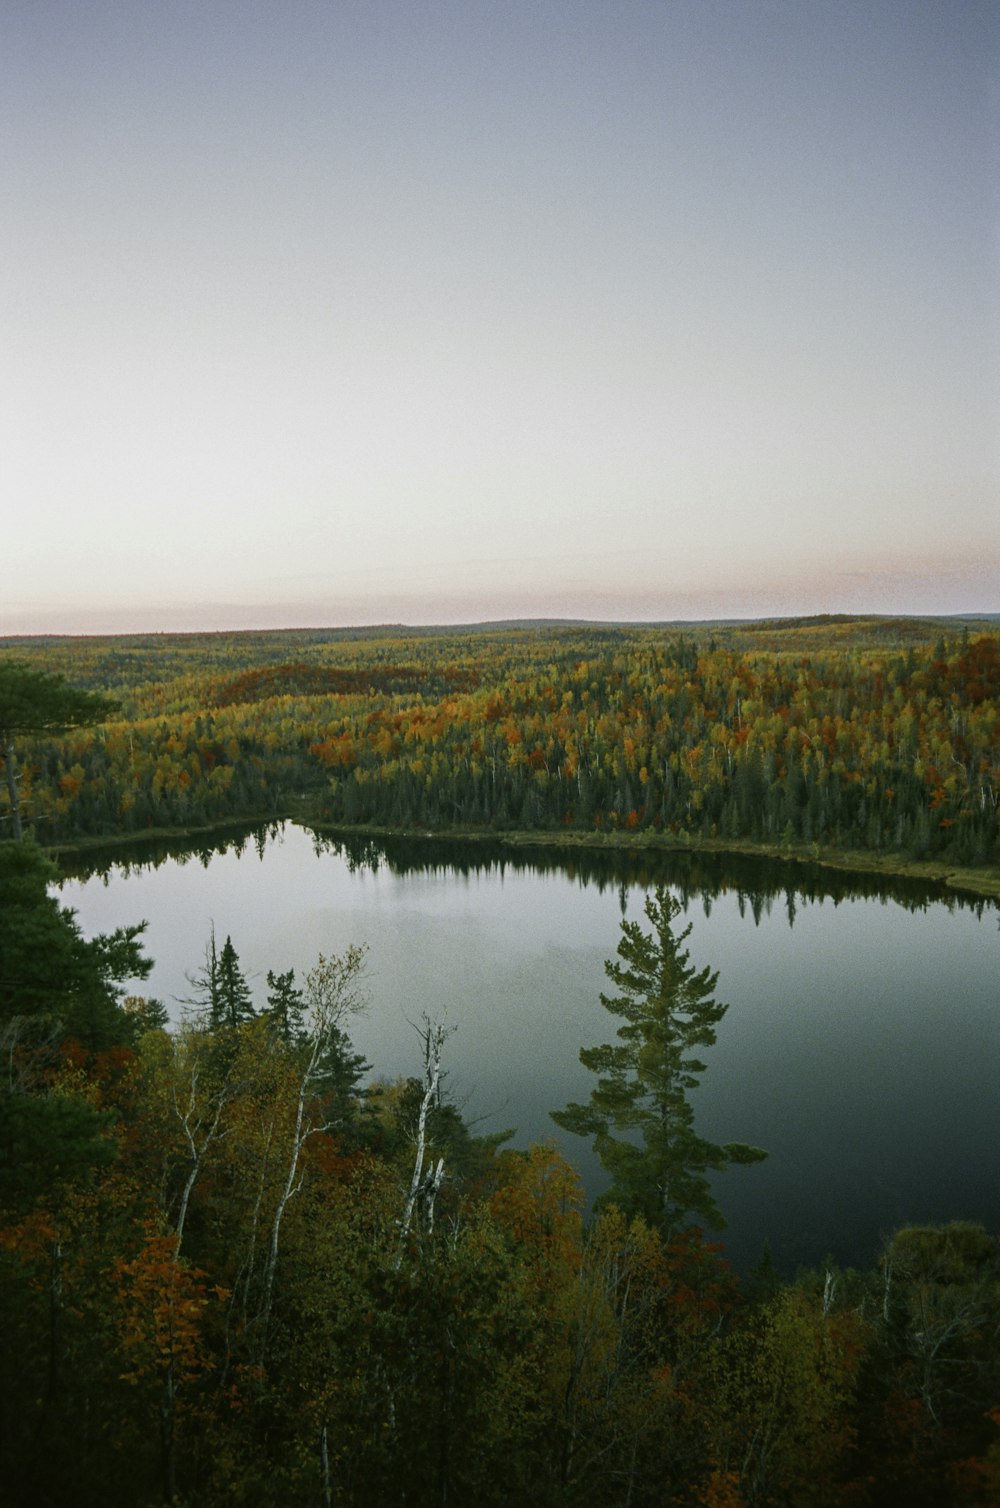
{"x": 861, "y": 1045}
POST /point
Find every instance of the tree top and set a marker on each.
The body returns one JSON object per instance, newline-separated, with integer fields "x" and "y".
{"x": 32, "y": 701}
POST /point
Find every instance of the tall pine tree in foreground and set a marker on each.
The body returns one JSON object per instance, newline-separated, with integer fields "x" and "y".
{"x": 639, "y": 1113}
{"x": 32, "y": 702}
{"x": 232, "y": 1005}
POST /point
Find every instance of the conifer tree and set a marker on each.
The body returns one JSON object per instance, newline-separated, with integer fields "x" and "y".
{"x": 48, "y": 969}
{"x": 206, "y": 1001}
{"x": 657, "y": 1160}
{"x": 233, "y": 1005}
{"x": 33, "y": 702}
{"x": 286, "y": 1005}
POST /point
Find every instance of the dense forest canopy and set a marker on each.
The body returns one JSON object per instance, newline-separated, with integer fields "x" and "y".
{"x": 819, "y": 736}
{"x": 236, "y": 1268}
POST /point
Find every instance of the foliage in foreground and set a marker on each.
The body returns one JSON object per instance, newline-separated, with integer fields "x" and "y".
{"x": 231, "y": 1274}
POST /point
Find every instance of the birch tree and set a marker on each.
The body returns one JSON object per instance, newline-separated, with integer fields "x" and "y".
{"x": 333, "y": 992}
{"x": 428, "y": 1174}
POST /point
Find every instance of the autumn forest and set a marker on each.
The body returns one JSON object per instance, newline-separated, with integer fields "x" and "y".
{"x": 874, "y": 735}
{"x": 237, "y": 1265}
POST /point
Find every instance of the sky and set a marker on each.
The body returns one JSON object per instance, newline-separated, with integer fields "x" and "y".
{"x": 336, "y": 312}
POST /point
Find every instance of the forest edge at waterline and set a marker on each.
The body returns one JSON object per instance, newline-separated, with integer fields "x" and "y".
{"x": 574, "y": 1361}
{"x": 860, "y": 744}
{"x": 827, "y": 973}
{"x": 232, "y": 1336}
{"x": 81, "y": 854}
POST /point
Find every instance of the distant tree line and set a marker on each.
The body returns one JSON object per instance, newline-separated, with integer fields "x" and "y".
{"x": 853, "y": 744}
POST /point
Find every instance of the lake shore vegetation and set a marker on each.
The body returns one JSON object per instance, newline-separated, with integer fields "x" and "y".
{"x": 858, "y": 743}
{"x": 236, "y": 1269}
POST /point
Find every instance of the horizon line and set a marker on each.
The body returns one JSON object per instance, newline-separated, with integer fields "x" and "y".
{"x": 501, "y": 624}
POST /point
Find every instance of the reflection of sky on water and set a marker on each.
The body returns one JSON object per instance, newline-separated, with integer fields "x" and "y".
{"x": 861, "y": 1046}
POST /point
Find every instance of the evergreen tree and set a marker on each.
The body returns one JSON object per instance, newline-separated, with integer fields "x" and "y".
{"x": 340, "y": 1072}
{"x": 285, "y": 1005}
{"x": 233, "y": 1005}
{"x": 337, "y": 1071}
{"x": 658, "y": 1162}
{"x": 207, "y": 999}
{"x": 48, "y": 969}
{"x": 33, "y": 702}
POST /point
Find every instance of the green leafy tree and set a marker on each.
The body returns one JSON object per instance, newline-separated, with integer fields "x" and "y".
{"x": 657, "y": 1160}
{"x": 941, "y": 1306}
{"x": 337, "y": 1070}
{"x": 33, "y": 702}
{"x": 777, "y": 1398}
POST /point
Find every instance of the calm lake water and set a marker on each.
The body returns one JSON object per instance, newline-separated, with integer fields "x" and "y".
{"x": 861, "y": 1046}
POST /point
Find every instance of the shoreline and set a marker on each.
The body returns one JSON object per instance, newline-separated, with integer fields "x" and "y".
{"x": 983, "y": 882}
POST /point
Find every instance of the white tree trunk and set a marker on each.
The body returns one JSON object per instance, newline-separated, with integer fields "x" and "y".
{"x": 424, "y": 1186}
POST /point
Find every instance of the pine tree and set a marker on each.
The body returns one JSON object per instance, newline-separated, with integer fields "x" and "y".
{"x": 233, "y": 1005}
{"x": 32, "y": 702}
{"x": 49, "y": 970}
{"x": 657, "y": 1160}
{"x": 206, "y": 1001}
{"x": 286, "y": 1005}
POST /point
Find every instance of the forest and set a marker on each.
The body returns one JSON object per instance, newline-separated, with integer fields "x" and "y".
{"x": 239, "y": 1266}
{"x": 821, "y": 737}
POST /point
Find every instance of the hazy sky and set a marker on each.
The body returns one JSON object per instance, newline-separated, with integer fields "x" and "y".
{"x": 354, "y": 311}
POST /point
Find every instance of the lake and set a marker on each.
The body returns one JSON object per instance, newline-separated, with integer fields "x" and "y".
{"x": 861, "y": 1046}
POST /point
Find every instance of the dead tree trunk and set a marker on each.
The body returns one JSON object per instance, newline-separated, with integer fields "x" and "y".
{"x": 424, "y": 1184}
